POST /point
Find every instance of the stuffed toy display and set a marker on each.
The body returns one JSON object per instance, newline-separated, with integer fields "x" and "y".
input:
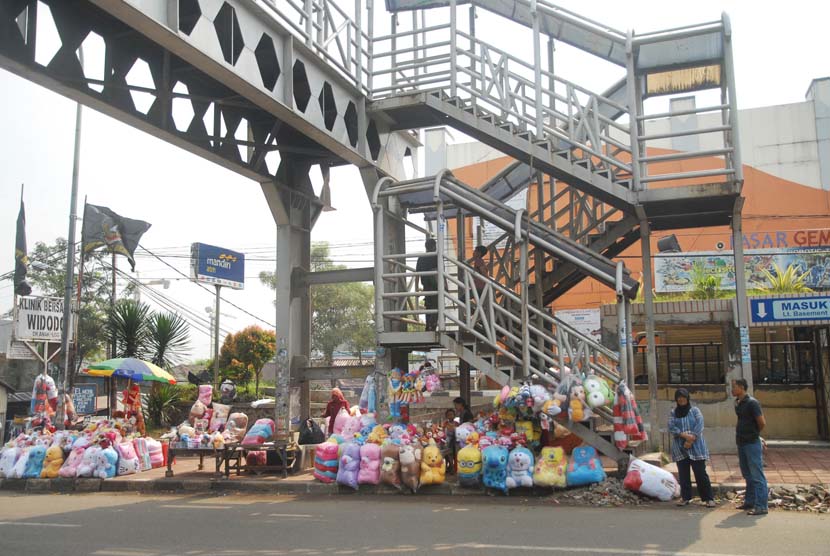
{"x": 88, "y": 462}
{"x": 219, "y": 417}
{"x": 585, "y": 467}
{"x": 520, "y": 468}
{"x": 494, "y": 467}
{"x": 142, "y": 453}
{"x": 20, "y": 465}
{"x": 155, "y": 452}
{"x": 235, "y": 428}
{"x": 44, "y": 400}
{"x": 410, "y": 458}
{"x": 128, "y": 462}
{"x": 551, "y": 468}
{"x": 73, "y": 461}
{"x": 52, "y": 462}
{"x": 433, "y": 466}
{"x": 261, "y": 432}
{"x": 8, "y": 457}
{"x": 369, "y": 473}
{"x": 197, "y": 411}
{"x": 390, "y": 469}
{"x": 349, "y": 469}
{"x": 340, "y": 420}
{"x": 368, "y": 397}
{"x": 325, "y": 462}
{"x": 597, "y": 392}
{"x": 469, "y": 466}
{"x": 206, "y": 394}
{"x": 650, "y": 480}
{"x": 34, "y": 465}
{"x": 106, "y": 464}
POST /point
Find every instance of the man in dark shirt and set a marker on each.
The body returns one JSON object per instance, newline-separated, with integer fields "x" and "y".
{"x": 750, "y": 451}
{"x": 428, "y": 263}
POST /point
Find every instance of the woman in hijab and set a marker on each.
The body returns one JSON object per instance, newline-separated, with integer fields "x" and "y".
{"x": 688, "y": 449}
{"x": 336, "y": 403}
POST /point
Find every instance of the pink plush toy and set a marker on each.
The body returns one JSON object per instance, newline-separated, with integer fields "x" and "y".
{"x": 128, "y": 459}
{"x": 206, "y": 394}
{"x": 369, "y": 473}
{"x": 69, "y": 468}
{"x": 155, "y": 452}
{"x": 325, "y": 462}
{"x": 340, "y": 421}
{"x": 351, "y": 427}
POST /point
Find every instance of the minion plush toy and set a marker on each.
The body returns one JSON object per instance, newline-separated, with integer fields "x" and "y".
{"x": 469, "y": 466}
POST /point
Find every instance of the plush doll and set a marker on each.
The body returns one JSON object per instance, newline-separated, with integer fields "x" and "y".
{"x": 351, "y": 427}
{"x": 597, "y": 392}
{"x": 106, "y": 464}
{"x": 131, "y": 398}
{"x": 89, "y": 462}
{"x": 369, "y": 465}
{"x": 20, "y": 465}
{"x": 462, "y": 432}
{"x": 520, "y": 468}
{"x": 34, "y": 465}
{"x": 585, "y": 467}
{"x": 469, "y": 466}
{"x": 551, "y": 468}
{"x": 377, "y": 436}
{"x": 325, "y": 462}
{"x": 349, "y": 468}
{"x": 69, "y": 469}
{"x": 206, "y": 394}
{"x": 219, "y": 416}
{"x": 494, "y": 467}
{"x": 340, "y": 420}
{"x": 261, "y": 432}
{"x": 142, "y": 452}
{"x": 227, "y": 391}
{"x": 540, "y": 395}
{"x": 390, "y": 469}
{"x": 650, "y": 480}
{"x": 155, "y": 452}
{"x": 52, "y": 462}
{"x": 8, "y": 457}
{"x": 235, "y": 428}
{"x": 129, "y": 461}
{"x": 197, "y": 411}
{"x": 410, "y": 458}
{"x": 433, "y": 466}
{"x": 368, "y": 397}
{"x": 525, "y": 428}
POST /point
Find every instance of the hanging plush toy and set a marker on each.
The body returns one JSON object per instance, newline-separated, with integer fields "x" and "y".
{"x": 394, "y": 394}
{"x": 551, "y": 468}
{"x": 520, "y": 468}
{"x": 390, "y": 469}
{"x": 368, "y": 397}
{"x": 369, "y": 473}
{"x": 494, "y": 467}
{"x": 597, "y": 392}
{"x": 349, "y": 468}
{"x": 227, "y": 391}
{"x": 433, "y": 466}
{"x": 326, "y": 462}
{"x": 410, "y": 458}
{"x": 469, "y": 466}
{"x": 585, "y": 467}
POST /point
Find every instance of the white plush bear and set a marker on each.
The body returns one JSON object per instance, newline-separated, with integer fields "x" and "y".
{"x": 20, "y": 465}
{"x": 102, "y": 465}
{"x": 520, "y": 468}
{"x": 8, "y": 457}
{"x": 89, "y": 462}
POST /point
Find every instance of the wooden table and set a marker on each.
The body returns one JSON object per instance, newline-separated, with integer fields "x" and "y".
{"x": 176, "y": 449}
{"x": 233, "y": 454}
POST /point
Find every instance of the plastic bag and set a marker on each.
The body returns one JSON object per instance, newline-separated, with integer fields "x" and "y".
{"x": 311, "y": 433}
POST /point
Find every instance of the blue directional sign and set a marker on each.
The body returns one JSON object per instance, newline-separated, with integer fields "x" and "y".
{"x": 217, "y": 265}
{"x": 788, "y": 309}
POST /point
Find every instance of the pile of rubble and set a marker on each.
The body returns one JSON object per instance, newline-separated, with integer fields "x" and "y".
{"x": 609, "y": 492}
{"x": 813, "y": 498}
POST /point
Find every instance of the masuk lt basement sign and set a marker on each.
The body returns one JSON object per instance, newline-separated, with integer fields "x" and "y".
{"x": 790, "y": 309}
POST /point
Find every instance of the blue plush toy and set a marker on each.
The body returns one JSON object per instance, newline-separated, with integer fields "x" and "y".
{"x": 585, "y": 467}
{"x": 494, "y": 469}
{"x": 520, "y": 468}
{"x": 34, "y": 465}
{"x": 112, "y": 462}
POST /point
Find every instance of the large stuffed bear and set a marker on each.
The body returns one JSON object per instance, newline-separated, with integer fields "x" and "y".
{"x": 106, "y": 464}
{"x": 349, "y": 465}
{"x": 469, "y": 466}
{"x": 585, "y": 467}
{"x": 433, "y": 466}
{"x": 34, "y": 465}
{"x": 520, "y": 468}
{"x": 325, "y": 462}
{"x": 73, "y": 461}
{"x": 494, "y": 467}
{"x": 650, "y": 480}
{"x": 262, "y": 432}
{"x": 551, "y": 468}
{"x": 369, "y": 465}
{"x": 20, "y": 465}
{"x": 89, "y": 462}
{"x": 52, "y": 463}
{"x": 390, "y": 469}
{"x": 410, "y": 458}
{"x": 8, "y": 457}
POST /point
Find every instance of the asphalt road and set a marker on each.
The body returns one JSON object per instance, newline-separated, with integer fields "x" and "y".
{"x": 199, "y": 525}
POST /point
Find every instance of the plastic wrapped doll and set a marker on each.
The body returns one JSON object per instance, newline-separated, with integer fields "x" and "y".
{"x": 395, "y": 388}
{"x": 131, "y": 399}
{"x": 44, "y": 400}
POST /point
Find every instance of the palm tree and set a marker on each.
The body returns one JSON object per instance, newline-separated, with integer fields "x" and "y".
{"x": 785, "y": 281}
{"x": 168, "y": 338}
{"x": 128, "y": 328}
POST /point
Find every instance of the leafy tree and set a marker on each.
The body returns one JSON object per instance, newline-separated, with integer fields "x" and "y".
{"x": 340, "y": 313}
{"x": 785, "y": 281}
{"x": 168, "y": 338}
{"x": 244, "y": 354}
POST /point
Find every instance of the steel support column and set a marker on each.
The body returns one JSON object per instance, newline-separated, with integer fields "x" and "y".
{"x": 651, "y": 349}
{"x": 742, "y": 367}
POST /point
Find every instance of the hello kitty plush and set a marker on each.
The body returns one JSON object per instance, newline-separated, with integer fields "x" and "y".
{"x": 369, "y": 473}
{"x": 69, "y": 468}
{"x": 128, "y": 462}
{"x": 520, "y": 468}
{"x": 105, "y": 463}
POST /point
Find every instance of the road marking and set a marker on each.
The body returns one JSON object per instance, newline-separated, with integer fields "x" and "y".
{"x": 124, "y": 553}
{"x": 290, "y": 515}
{"x": 194, "y": 507}
{"x": 580, "y": 549}
{"x": 36, "y": 524}
{"x": 407, "y": 548}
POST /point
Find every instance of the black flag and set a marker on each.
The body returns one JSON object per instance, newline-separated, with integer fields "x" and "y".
{"x": 21, "y": 258}
{"x": 105, "y": 228}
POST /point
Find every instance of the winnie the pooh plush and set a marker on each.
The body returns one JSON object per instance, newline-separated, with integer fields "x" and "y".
{"x": 433, "y": 466}
{"x": 52, "y": 463}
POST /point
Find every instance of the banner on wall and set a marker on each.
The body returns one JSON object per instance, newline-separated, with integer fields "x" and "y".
{"x": 673, "y": 272}
{"x": 586, "y": 321}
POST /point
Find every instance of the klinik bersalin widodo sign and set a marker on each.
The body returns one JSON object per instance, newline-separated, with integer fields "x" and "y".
{"x": 217, "y": 265}
{"x": 39, "y": 319}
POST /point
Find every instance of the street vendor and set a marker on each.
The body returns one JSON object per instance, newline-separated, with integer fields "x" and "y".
{"x": 463, "y": 410}
{"x": 337, "y": 402}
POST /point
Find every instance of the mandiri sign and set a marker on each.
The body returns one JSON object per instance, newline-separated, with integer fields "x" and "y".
{"x": 39, "y": 319}
{"x": 217, "y": 265}
{"x": 788, "y": 309}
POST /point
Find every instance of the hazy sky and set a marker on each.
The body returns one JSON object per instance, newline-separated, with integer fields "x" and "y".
{"x": 779, "y": 48}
